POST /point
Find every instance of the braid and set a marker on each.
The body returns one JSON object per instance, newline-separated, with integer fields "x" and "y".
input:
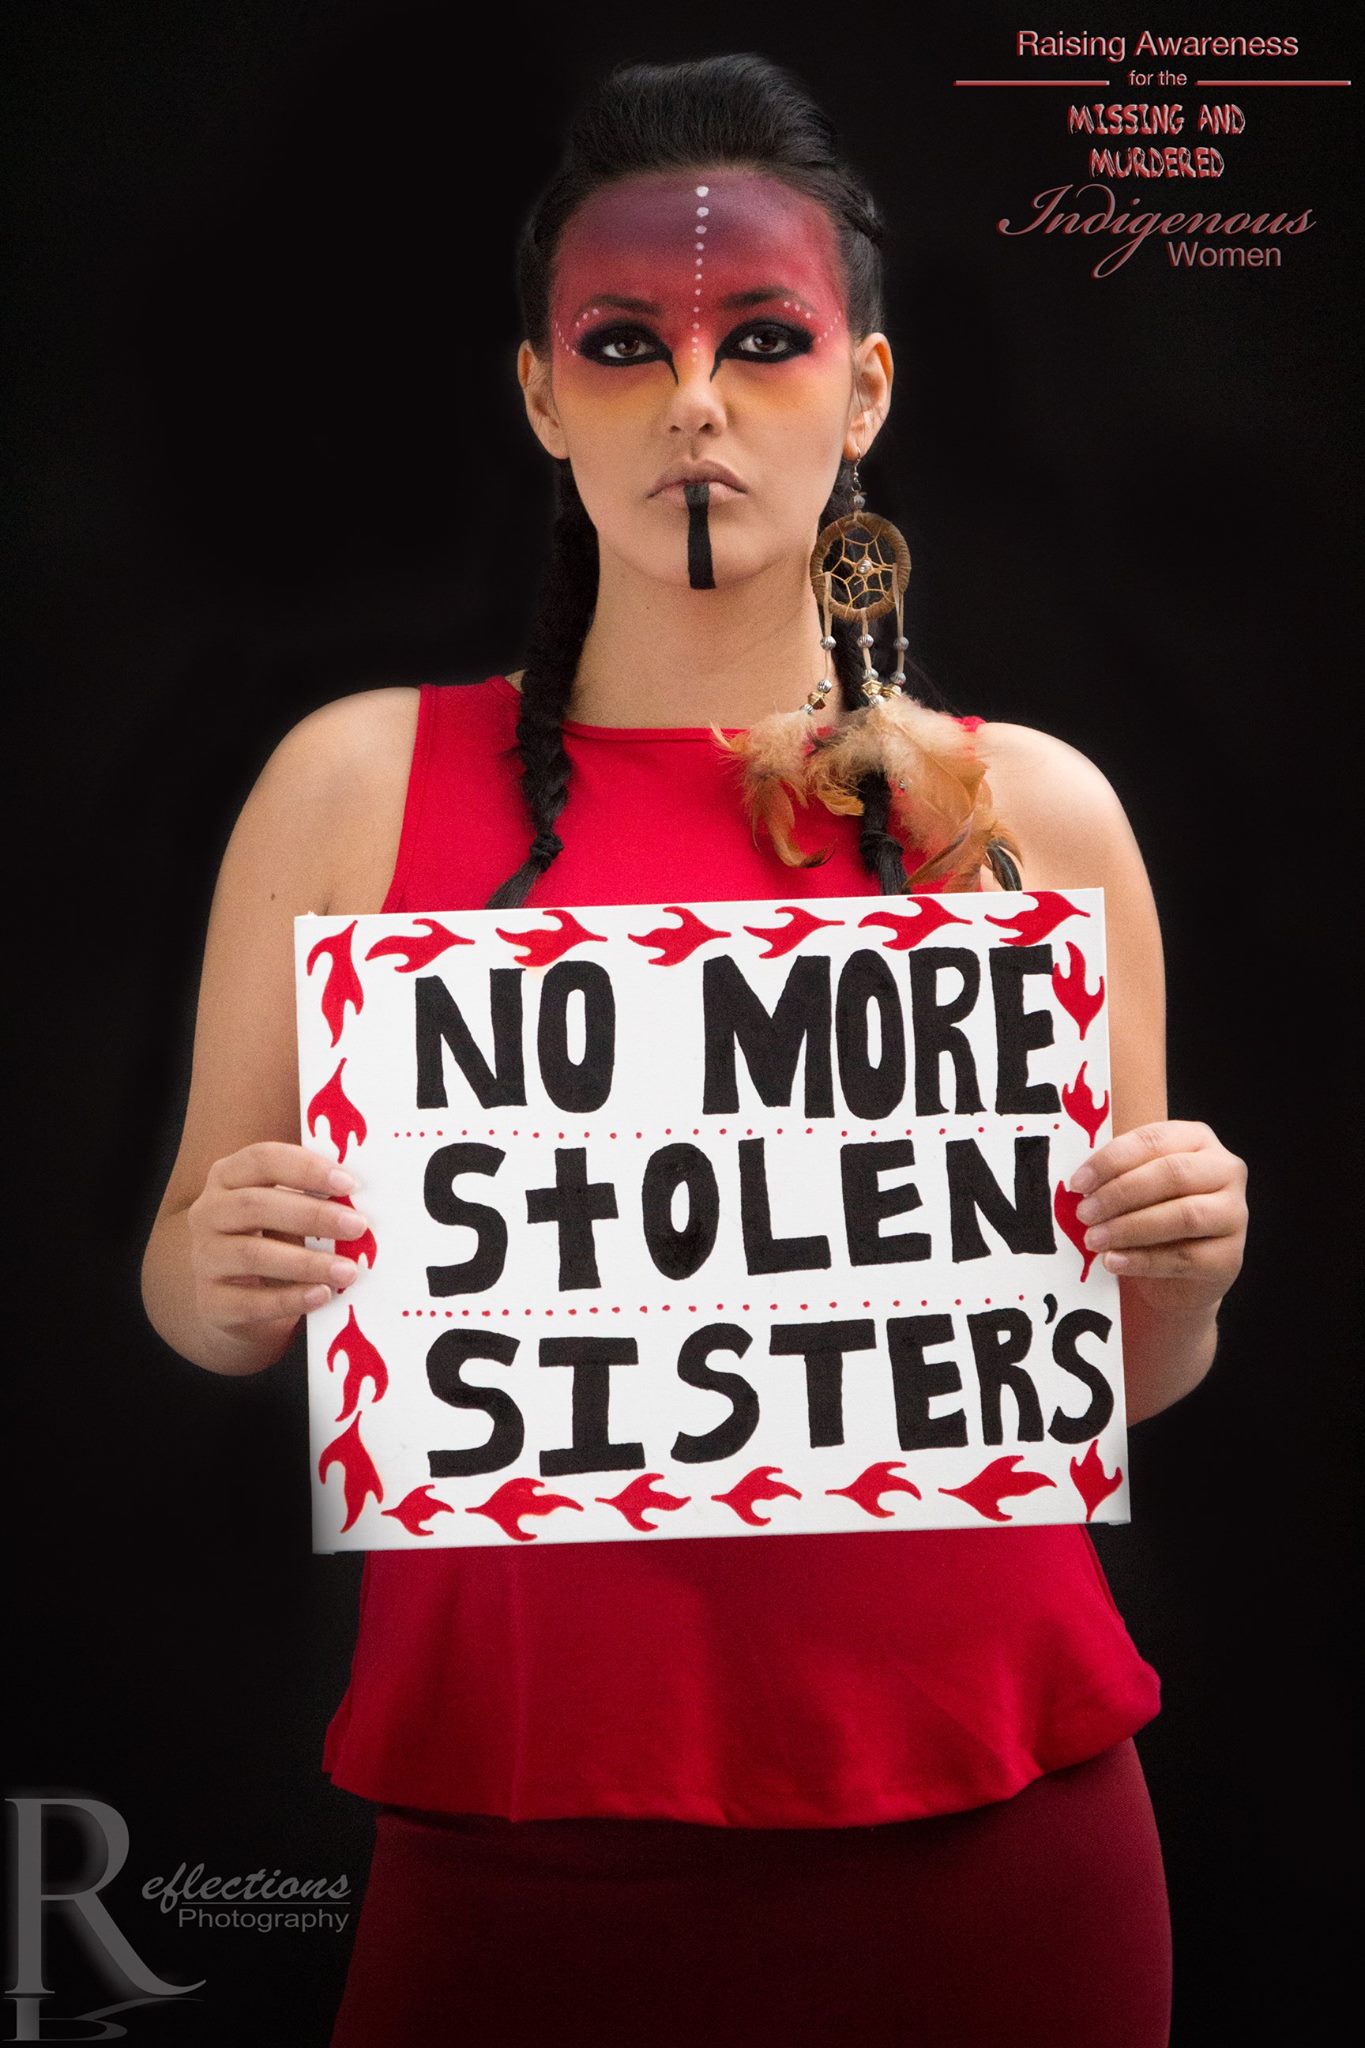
{"x": 878, "y": 846}
{"x": 568, "y": 594}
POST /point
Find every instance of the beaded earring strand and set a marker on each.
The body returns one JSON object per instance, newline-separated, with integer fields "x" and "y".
{"x": 940, "y": 803}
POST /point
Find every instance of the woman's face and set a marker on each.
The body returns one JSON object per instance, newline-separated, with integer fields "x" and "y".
{"x": 699, "y": 318}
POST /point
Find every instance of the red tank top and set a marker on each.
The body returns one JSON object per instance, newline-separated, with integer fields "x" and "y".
{"x": 807, "y": 1681}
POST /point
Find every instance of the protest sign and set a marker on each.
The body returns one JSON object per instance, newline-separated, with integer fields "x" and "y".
{"x": 720, "y": 1219}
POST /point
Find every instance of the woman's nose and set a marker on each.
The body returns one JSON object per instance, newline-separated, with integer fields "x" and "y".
{"x": 696, "y": 400}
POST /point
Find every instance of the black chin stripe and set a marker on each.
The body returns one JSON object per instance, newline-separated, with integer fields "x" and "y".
{"x": 699, "y": 574}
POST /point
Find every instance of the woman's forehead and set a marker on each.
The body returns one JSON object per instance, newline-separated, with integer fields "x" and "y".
{"x": 686, "y": 235}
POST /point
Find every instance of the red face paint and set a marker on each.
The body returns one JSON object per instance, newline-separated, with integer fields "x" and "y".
{"x": 720, "y": 269}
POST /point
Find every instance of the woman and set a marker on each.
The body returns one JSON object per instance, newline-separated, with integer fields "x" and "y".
{"x": 776, "y": 1791}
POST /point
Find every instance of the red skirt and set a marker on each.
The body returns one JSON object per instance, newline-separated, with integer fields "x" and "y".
{"x": 1041, "y": 1921}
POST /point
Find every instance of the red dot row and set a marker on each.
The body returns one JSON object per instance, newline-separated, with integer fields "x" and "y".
{"x": 723, "y": 1132}
{"x": 665, "y": 1308}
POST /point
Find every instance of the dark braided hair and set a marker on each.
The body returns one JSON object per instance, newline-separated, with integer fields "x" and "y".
{"x": 568, "y": 593}
{"x": 735, "y": 109}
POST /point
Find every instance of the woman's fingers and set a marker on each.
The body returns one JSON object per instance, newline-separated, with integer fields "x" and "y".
{"x": 241, "y": 1304}
{"x": 274, "y": 1258}
{"x": 237, "y": 1210}
{"x": 1204, "y": 1259}
{"x": 1161, "y": 1183}
{"x": 1191, "y": 1217}
{"x": 274, "y": 1186}
{"x": 271, "y": 1162}
{"x": 247, "y": 1227}
{"x": 1166, "y": 1201}
{"x": 1138, "y": 1147}
{"x": 1178, "y": 1176}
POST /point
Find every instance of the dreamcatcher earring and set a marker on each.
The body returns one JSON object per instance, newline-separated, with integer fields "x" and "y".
{"x": 940, "y": 805}
{"x": 859, "y": 569}
{"x": 860, "y": 566}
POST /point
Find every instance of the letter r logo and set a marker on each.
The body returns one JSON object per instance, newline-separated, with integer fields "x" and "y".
{"x": 103, "y": 1834}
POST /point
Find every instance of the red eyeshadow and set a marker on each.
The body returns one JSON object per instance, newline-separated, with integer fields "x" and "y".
{"x": 684, "y": 244}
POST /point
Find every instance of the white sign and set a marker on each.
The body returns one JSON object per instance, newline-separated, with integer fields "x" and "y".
{"x": 726, "y": 1219}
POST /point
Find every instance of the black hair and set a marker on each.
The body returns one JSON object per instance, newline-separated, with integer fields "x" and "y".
{"x": 733, "y": 109}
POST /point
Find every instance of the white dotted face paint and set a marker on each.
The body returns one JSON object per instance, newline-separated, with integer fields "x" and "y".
{"x": 699, "y": 214}
{"x": 692, "y": 264}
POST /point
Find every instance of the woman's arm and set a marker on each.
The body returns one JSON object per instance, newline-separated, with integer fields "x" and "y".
{"x": 226, "y": 1276}
{"x": 1166, "y": 1208}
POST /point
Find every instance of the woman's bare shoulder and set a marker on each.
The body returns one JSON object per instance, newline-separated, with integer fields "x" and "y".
{"x": 351, "y": 737}
{"x": 1024, "y": 750}
{"x": 1063, "y": 810}
{"x": 337, "y": 780}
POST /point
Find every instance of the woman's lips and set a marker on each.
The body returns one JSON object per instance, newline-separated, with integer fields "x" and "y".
{"x": 673, "y": 494}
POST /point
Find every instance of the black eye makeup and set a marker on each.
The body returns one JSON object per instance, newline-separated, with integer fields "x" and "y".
{"x": 621, "y": 345}
{"x": 790, "y": 341}
{"x": 635, "y": 345}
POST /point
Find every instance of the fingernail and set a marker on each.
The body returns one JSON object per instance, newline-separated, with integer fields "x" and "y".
{"x": 1096, "y": 1239}
{"x": 1116, "y": 1262}
{"x": 1082, "y": 1180}
{"x": 343, "y": 1271}
{"x": 342, "y": 1181}
{"x": 1088, "y": 1210}
{"x": 316, "y": 1296}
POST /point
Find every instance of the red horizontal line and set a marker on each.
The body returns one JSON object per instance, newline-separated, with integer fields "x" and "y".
{"x": 1030, "y": 81}
{"x": 1272, "y": 81}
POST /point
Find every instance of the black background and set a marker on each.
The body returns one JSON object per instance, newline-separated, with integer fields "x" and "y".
{"x": 270, "y": 450}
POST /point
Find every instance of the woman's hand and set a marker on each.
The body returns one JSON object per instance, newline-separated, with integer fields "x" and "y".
{"x": 249, "y": 1263}
{"x": 1165, "y": 1203}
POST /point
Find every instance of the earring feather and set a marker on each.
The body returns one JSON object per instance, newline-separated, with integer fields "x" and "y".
{"x": 941, "y": 806}
{"x": 773, "y": 754}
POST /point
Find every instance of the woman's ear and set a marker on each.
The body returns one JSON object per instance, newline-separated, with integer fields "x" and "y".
{"x": 874, "y": 373}
{"x": 533, "y": 373}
